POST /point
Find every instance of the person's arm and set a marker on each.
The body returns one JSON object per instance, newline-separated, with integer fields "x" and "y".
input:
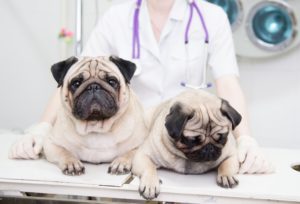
{"x": 251, "y": 159}
{"x": 223, "y": 63}
{"x": 30, "y": 144}
{"x": 49, "y": 115}
{"x": 228, "y": 88}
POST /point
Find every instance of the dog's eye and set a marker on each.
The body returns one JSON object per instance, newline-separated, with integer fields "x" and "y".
{"x": 222, "y": 138}
{"x": 75, "y": 84}
{"x": 113, "y": 82}
{"x": 193, "y": 138}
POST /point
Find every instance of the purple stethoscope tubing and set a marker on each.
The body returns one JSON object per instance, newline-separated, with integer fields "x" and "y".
{"x": 136, "y": 39}
{"x": 193, "y": 6}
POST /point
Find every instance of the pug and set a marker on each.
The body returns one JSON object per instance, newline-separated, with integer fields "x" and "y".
{"x": 99, "y": 120}
{"x": 189, "y": 134}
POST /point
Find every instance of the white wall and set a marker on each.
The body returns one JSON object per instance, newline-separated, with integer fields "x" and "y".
{"x": 272, "y": 89}
{"x": 29, "y": 46}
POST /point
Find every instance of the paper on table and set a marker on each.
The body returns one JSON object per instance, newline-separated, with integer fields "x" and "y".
{"x": 42, "y": 171}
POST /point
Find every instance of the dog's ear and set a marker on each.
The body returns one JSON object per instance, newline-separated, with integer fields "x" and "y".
{"x": 228, "y": 111}
{"x": 60, "y": 69}
{"x": 127, "y": 68}
{"x": 176, "y": 120}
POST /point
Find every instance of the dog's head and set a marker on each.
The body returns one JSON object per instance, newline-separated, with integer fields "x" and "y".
{"x": 199, "y": 123}
{"x": 94, "y": 89}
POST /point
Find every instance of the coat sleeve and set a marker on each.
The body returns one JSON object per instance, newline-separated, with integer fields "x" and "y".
{"x": 222, "y": 58}
{"x": 99, "y": 42}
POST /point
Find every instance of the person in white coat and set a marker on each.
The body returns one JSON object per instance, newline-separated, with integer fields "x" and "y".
{"x": 171, "y": 47}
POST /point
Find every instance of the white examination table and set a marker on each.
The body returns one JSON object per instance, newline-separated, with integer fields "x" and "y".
{"x": 39, "y": 176}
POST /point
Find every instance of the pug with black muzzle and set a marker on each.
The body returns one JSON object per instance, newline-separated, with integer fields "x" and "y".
{"x": 100, "y": 118}
{"x": 189, "y": 134}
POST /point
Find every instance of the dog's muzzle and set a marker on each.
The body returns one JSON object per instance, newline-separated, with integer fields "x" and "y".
{"x": 94, "y": 103}
{"x": 209, "y": 152}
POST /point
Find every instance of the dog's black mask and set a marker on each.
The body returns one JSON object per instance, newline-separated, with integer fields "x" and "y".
{"x": 95, "y": 103}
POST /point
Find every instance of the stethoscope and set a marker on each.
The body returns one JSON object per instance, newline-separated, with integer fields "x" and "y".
{"x": 191, "y": 81}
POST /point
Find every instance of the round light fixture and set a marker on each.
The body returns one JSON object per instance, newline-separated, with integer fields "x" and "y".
{"x": 271, "y": 25}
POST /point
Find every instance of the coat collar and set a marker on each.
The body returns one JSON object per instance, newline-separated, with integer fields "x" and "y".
{"x": 178, "y": 12}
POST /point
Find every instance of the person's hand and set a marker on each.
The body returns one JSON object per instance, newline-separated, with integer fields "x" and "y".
{"x": 30, "y": 144}
{"x": 251, "y": 158}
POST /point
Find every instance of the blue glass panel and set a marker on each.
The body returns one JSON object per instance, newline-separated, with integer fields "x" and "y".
{"x": 230, "y": 7}
{"x": 272, "y": 24}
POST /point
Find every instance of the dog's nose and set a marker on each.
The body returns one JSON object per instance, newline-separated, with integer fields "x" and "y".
{"x": 94, "y": 87}
{"x": 208, "y": 149}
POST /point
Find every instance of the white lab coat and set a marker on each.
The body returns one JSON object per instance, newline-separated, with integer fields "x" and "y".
{"x": 164, "y": 63}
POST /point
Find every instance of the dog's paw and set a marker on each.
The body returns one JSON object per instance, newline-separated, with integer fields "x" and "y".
{"x": 72, "y": 167}
{"x": 149, "y": 187}
{"x": 227, "y": 181}
{"x": 121, "y": 165}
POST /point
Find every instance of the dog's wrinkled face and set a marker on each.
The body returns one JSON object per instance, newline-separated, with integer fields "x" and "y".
{"x": 201, "y": 131}
{"x": 94, "y": 88}
{"x": 95, "y": 92}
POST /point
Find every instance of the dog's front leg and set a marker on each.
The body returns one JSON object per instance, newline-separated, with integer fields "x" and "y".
{"x": 122, "y": 164}
{"x": 146, "y": 170}
{"x": 227, "y": 171}
{"x": 64, "y": 159}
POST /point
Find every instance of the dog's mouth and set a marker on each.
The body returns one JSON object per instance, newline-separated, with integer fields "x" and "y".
{"x": 96, "y": 113}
